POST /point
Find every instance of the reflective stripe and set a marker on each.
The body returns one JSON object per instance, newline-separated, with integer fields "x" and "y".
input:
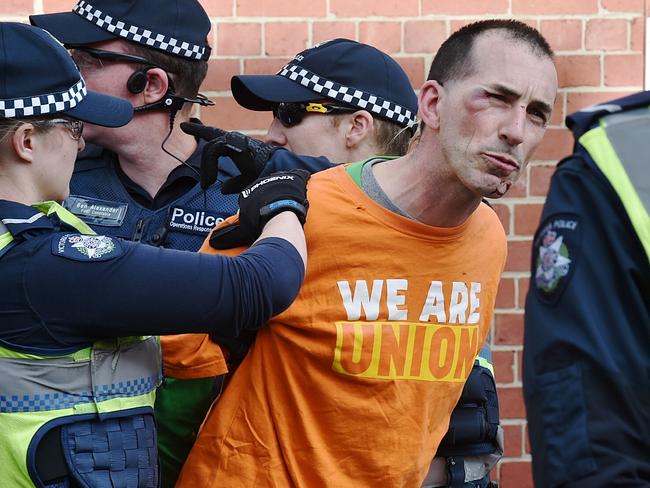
{"x": 30, "y": 220}
{"x": 485, "y": 364}
{"x": 620, "y": 148}
{"x": 5, "y": 237}
{"x": 121, "y": 370}
{"x": 65, "y": 215}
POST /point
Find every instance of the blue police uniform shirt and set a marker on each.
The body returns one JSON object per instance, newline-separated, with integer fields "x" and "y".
{"x": 587, "y": 337}
{"x": 180, "y": 216}
{"x": 60, "y": 290}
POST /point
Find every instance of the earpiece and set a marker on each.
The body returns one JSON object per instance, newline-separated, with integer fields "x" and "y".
{"x": 137, "y": 81}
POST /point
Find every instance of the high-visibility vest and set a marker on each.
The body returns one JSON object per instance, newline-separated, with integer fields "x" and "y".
{"x": 620, "y": 146}
{"x": 111, "y": 378}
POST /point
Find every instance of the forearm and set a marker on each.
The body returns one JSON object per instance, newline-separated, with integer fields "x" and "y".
{"x": 286, "y": 226}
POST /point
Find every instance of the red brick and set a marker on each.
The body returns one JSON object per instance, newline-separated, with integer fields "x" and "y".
{"x": 239, "y": 38}
{"x": 364, "y": 8}
{"x": 606, "y": 34}
{"x": 503, "y": 211}
{"x": 264, "y": 66}
{"x": 518, "y": 256}
{"x": 218, "y": 8}
{"x": 540, "y": 179}
{"x": 281, "y": 8}
{"x": 386, "y": 36}
{"x": 228, "y": 115}
{"x": 554, "y": 7}
{"x": 513, "y": 441}
{"x": 22, "y": 7}
{"x": 623, "y": 5}
{"x": 520, "y": 365}
{"x": 219, "y": 73}
{"x": 413, "y": 66}
{"x": 563, "y": 35}
{"x": 578, "y": 70}
{"x": 516, "y": 475}
{"x": 527, "y": 218}
{"x": 324, "y": 31}
{"x": 285, "y": 38}
{"x": 577, "y": 100}
{"x": 557, "y": 143}
{"x": 520, "y": 187}
{"x": 509, "y": 329}
{"x": 522, "y": 284}
{"x": 624, "y": 70}
{"x": 637, "y": 36}
{"x": 511, "y": 402}
{"x": 506, "y": 293}
{"x": 504, "y": 362}
{"x": 467, "y": 7}
{"x": 424, "y": 36}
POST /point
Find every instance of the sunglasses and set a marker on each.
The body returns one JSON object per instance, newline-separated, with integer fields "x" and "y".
{"x": 290, "y": 114}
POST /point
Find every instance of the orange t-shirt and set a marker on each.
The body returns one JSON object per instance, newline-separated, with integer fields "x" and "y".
{"x": 354, "y": 384}
{"x": 190, "y": 356}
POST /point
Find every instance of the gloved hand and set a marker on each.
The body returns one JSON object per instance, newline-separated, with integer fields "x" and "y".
{"x": 249, "y": 155}
{"x": 258, "y": 203}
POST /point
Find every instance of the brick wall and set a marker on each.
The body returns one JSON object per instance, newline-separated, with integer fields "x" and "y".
{"x": 599, "y": 44}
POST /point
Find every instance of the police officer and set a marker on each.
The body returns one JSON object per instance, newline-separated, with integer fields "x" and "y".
{"x": 587, "y": 334}
{"x": 75, "y": 402}
{"x": 141, "y": 182}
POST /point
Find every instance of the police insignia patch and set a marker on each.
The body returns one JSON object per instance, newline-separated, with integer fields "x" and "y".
{"x": 86, "y": 248}
{"x": 555, "y": 254}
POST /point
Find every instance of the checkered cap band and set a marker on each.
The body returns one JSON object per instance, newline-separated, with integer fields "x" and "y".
{"x": 351, "y": 96}
{"x": 43, "y": 104}
{"x": 139, "y": 34}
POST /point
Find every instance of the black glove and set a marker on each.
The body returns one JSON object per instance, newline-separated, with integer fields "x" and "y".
{"x": 249, "y": 155}
{"x": 265, "y": 198}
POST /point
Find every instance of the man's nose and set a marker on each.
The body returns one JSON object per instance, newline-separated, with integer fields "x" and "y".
{"x": 513, "y": 127}
{"x": 275, "y": 135}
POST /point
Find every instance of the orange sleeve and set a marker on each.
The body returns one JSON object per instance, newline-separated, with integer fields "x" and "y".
{"x": 190, "y": 356}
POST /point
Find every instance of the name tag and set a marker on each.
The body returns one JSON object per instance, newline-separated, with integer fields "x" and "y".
{"x": 97, "y": 212}
{"x": 193, "y": 220}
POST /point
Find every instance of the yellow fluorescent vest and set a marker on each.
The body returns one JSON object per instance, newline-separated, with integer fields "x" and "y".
{"x": 620, "y": 146}
{"x": 35, "y": 391}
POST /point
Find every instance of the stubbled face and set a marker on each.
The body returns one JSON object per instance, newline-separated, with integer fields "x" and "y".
{"x": 492, "y": 121}
{"x": 108, "y": 77}
{"x": 315, "y": 135}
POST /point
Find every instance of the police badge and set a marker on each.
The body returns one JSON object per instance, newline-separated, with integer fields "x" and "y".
{"x": 555, "y": 254}
{"x": 86, "y": 248}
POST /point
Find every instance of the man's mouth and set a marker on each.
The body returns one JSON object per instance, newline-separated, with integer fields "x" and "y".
{"x": 504, "y": 163}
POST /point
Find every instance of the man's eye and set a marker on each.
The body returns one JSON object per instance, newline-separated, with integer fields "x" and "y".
{"x": 539, "y": 116}
{"x": 496, "y": 96}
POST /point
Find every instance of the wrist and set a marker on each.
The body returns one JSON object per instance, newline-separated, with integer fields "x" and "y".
{"x": 267, "y": 212}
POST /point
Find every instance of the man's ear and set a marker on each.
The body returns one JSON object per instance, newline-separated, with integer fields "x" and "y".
{"x": 428, "y": 103}
{"x": 23, "y": 140}
{"x": 157, "y": 85}
{"x": 361, "y": 126}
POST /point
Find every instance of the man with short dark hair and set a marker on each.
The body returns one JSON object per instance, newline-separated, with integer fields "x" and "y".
{"x": 354, "y": 385}
{"x": 474, "y": 442}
